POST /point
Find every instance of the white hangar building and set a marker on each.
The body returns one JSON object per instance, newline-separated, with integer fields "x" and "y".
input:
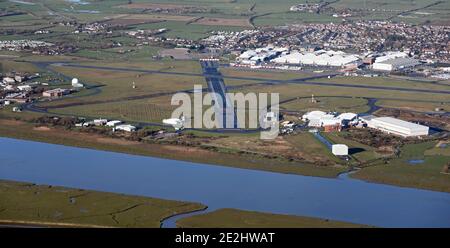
{"x": 320, "y": 58}
{"x": 395, "y": 64}
{"x": 396, "y": 126}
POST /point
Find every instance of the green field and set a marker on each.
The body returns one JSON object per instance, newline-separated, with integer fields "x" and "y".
{"x": 234, "y": 218}
{"x": 426, "y": 175}
{"x": 440, "y": 149}
{"x": 362, "y": 153}
{"x": 45, "y": 205}
{"x": 151, "y": 110}
{"x": 307, "y": 143}
{"x": 262, "y": 12}
{"x": 341, "y": 105}
{"x": 425, "y": 106}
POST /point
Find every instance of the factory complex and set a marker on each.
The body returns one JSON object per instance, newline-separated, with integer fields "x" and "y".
{"x": 336, "y": 122}
{"x": 284, "y": 58}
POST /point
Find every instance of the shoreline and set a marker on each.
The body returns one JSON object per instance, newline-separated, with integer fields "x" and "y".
{"x": 91, "y": 209}
{"x": 27, "y": 131}
{"x": 263, "y": 218}
{"x": 45, "y": 224}
{"x": 199, "y": 211}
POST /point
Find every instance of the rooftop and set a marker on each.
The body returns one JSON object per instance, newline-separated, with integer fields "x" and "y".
{"x": 398, "y": 122}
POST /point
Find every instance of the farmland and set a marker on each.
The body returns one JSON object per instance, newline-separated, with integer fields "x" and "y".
{"x": 216, "y": 14}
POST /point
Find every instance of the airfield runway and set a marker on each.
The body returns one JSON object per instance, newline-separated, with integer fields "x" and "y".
{"x": 263, "y": 80}
{"x": 224, "y": 110}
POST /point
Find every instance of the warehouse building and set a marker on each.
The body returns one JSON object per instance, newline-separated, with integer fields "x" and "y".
{"x": 329, "y": 121}
{"x": 259, "y": 55}
{"x": 318, "y": 58}
{"x": 55, "y": 92}
{"x": 396, "y": 126}
{"x": 395, "y": 64}
{"x": 391, "y": 55}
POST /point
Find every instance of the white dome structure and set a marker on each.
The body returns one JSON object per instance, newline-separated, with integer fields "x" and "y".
{"x": 76, "y": 83}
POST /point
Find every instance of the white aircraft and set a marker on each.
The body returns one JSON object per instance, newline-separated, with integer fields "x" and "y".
{"x": 176, "y": 123}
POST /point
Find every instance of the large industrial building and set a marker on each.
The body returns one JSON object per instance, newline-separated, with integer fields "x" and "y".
{"x": 259, "y": 55}
{"x": 395, "y": 64}
{"x": 319, "y": 118}
{"x": 396, "y": 126}
{"x": 319, "y": 58}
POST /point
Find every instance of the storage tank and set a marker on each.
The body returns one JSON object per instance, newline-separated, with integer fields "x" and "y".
{"x": 339, "y": 150}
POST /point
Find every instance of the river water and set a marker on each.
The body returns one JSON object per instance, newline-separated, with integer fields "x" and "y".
{"x": 342, "y": 198}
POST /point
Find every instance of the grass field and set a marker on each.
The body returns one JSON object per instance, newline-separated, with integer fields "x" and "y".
{"x": 118, "y": 84}
{"x": 234, "y": 218}
{"x": 151, "y": 110}
{"x": 441, "y": 149}
{"x": 45, "y": 205}
{"x": 6, "y": 65}
{"x": 385, "y": 81}
{"x": 355, "y": 105}
{"x": 310, "y": 146}
{"x": 426, "y": 175}
{"x": 299, "y": 146}
{"x": 415, "y": 105}
{"x": 289, "y": 91}
{"x": 361, "y": 152}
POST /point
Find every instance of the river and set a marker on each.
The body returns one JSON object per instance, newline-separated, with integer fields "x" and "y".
{"x": 217, "y": 187}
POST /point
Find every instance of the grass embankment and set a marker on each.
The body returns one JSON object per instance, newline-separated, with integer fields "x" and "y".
{"x": 360, "y": 152}
{"x": 54, "y": 135}
{"x": 233, "y": 218}
{"x": 44, "y": 205}
{"x": 426, "y": 175}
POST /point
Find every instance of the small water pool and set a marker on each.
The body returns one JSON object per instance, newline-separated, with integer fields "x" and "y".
{"x": 416, "y": 161}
